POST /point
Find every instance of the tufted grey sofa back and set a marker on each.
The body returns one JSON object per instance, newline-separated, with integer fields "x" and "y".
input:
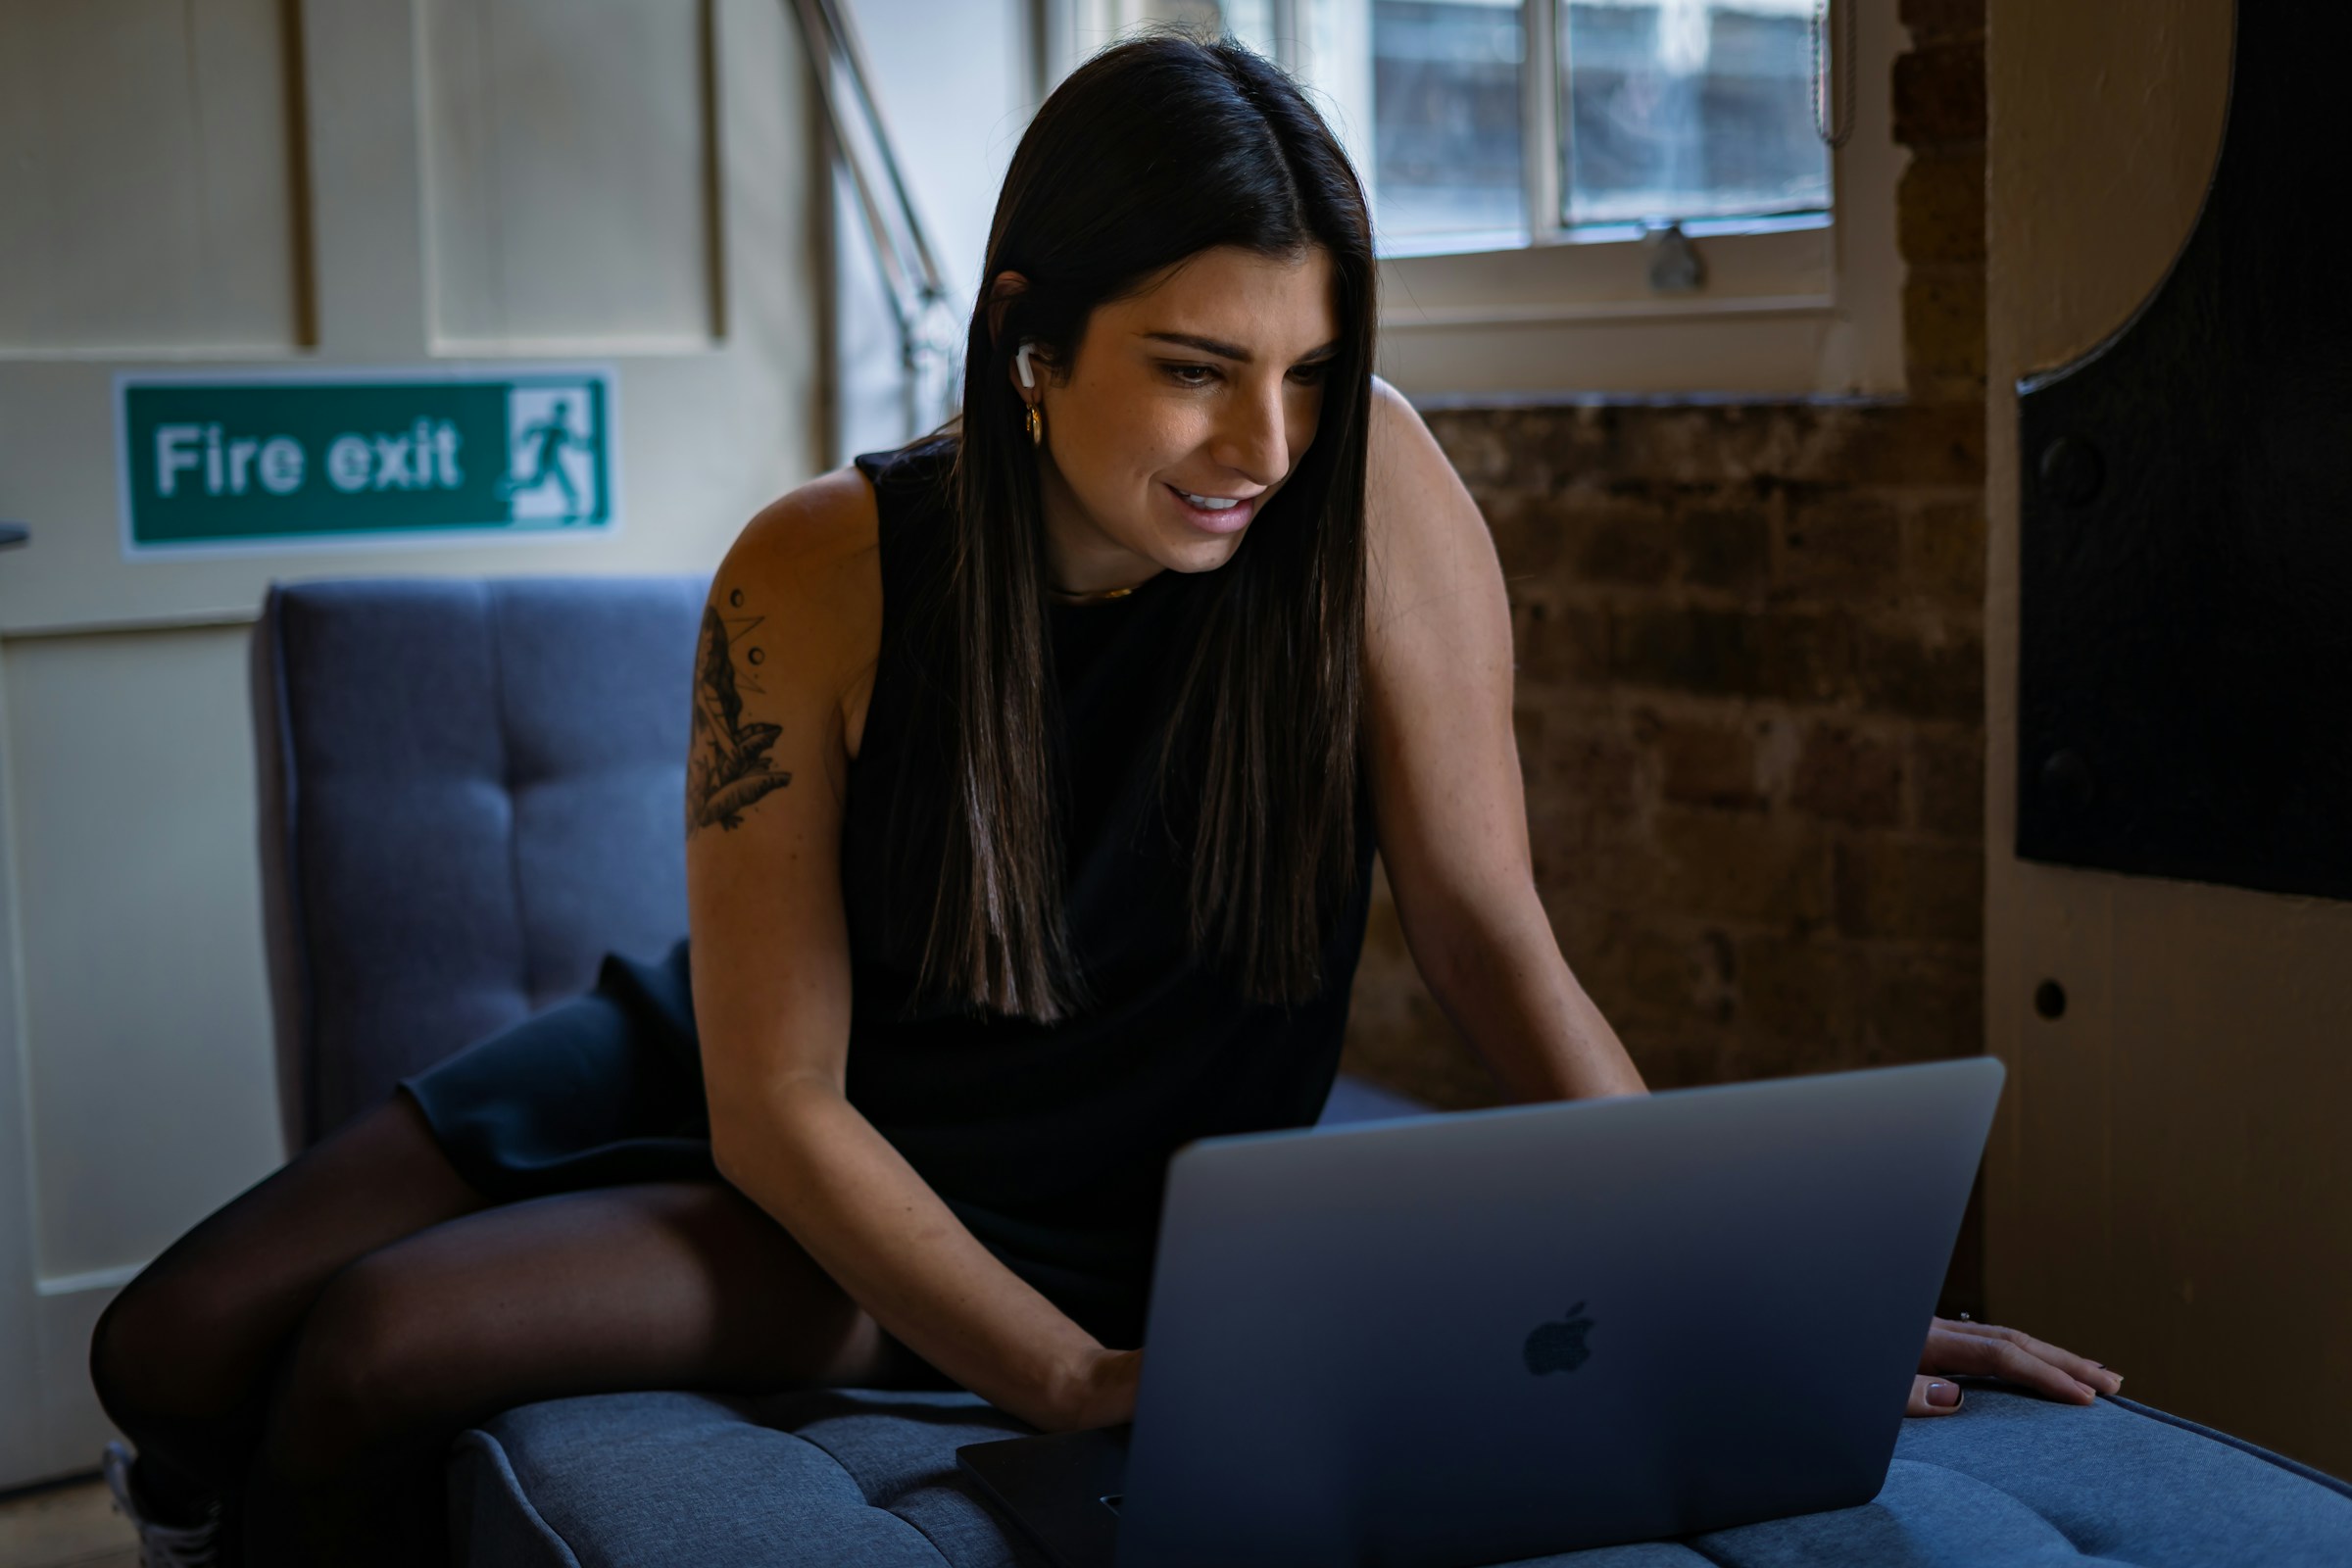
{"x": 471, "y": 790}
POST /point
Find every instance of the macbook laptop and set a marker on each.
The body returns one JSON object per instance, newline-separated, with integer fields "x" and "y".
{"x": 1470, "y": 1338}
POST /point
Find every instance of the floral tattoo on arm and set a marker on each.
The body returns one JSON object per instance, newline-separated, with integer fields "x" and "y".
{"x": 729, "y": 769}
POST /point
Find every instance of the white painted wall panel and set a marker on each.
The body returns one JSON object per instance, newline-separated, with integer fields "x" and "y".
{"x": 149, "y": 195}
{"x": 569, "y": 172}
{"x": 147, "y": 1040}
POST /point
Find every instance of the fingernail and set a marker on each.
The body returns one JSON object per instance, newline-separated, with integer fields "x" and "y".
{"x": 1944, "y": 1396}
{"x": 2089, "y": 1392}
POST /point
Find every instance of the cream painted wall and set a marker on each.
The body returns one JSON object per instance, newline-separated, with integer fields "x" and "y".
{"x": 2168, "y": 1190}
{"x": 313, "y": 184}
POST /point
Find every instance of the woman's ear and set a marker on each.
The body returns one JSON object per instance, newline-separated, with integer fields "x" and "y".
{"x": 1006, "y": 287}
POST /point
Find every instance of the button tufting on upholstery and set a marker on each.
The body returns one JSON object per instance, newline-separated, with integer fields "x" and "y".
{"x": 480, "y": 782}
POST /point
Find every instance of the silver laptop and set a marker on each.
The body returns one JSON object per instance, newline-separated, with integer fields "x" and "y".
{"x": 1470, "y": 1338}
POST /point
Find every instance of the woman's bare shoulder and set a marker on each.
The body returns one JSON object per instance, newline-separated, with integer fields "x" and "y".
{"x": 812, "y": 554}
{"x": 1416, "y": 511}
{"x": 817, "y": 528}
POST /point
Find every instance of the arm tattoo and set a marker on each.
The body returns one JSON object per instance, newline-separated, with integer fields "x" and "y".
{"x": 729, "y": 769}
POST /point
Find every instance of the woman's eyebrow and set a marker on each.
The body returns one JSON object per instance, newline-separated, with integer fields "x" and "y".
{"x": 1233, "y": 351}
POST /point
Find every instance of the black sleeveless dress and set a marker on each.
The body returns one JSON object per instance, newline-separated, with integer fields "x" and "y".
{"x": 1050, "y": 1142}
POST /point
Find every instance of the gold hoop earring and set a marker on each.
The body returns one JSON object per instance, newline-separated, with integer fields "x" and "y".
{"x": 1036, "y": 421}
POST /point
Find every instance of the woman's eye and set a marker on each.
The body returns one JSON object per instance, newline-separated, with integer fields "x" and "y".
{"x": 1199, "y": 375}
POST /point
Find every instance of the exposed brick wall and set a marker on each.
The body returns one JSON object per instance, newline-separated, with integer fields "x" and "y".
{"x": 1751, "y": 689}
{"x": 1750, "y": 700}
{"x": 1940, "y": 208}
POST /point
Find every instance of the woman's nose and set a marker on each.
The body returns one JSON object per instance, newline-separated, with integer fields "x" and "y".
{"x": 1254, "y": 438}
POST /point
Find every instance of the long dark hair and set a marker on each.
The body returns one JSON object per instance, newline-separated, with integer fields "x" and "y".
{"x": 1153, "y": 151}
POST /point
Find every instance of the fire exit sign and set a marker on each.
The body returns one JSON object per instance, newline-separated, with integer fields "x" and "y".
{"x": 258, "y": 459}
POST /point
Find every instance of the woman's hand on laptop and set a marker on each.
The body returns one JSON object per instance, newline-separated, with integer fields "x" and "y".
{"x": 1983, "y": 1350}
{"x": 1104, "y": 1391}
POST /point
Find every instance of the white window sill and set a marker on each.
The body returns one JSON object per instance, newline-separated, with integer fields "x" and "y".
{"x": 1781, "y": 313}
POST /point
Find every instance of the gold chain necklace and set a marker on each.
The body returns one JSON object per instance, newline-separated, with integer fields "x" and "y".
{"x": 1068, "y": 598}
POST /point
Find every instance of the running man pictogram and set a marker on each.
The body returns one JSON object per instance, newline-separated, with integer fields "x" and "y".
{"x": 547, "y": 440}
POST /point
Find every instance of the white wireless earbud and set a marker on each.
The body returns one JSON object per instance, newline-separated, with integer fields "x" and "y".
{"x": 1020, "y": 359}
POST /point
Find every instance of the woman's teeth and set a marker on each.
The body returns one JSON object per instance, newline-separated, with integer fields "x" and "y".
{"x": 1207, "y": 503}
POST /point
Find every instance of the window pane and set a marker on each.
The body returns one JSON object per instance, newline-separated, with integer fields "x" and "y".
{"x": 1446, "y": 120}
{"x": 1250, "y": 21}
{"x": 1685, "y": 108}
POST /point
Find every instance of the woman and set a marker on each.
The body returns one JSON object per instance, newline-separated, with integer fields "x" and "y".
{"x": 1035, "y": 773}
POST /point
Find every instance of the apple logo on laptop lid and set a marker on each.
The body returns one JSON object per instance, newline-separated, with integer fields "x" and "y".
{"x": 1560, "y": 1347}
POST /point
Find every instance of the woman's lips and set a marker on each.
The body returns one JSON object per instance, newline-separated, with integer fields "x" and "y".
{"x": 1230, "y": 520}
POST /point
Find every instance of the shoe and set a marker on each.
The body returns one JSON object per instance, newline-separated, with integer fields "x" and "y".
{"x": 161, "y": 1546}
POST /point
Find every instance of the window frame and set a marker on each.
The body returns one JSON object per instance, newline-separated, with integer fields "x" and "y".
{"x": 1785, "y": 309}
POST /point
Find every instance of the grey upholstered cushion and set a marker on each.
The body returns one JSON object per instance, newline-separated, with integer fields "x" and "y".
{"x": 471, "y": 791}
{"x": 845, "y": 1480}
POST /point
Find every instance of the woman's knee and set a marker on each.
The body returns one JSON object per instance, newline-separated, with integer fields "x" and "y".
{"x": 116, "y": 1372}
{"x": 169, "y": 1346}
{"x": 192, "y": 1335}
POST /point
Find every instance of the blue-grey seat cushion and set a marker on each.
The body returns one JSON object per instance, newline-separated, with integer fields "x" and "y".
{"x": 841, "y": 1478}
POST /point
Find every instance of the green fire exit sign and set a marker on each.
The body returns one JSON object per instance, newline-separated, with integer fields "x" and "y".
{"x": 260, "y": 458}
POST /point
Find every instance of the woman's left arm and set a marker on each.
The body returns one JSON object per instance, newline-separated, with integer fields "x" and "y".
{"x": 1452, "y": 821}
{"x": 1445, "y": 786}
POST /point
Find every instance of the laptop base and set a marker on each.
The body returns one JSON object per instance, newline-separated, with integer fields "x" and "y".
{"x": 1065, "y": 1488}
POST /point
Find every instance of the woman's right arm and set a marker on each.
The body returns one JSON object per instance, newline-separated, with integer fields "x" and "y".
{"x": 791, "y": 626}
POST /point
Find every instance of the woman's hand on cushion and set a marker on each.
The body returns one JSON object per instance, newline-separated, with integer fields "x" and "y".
{"x": 1984, "y": 1350}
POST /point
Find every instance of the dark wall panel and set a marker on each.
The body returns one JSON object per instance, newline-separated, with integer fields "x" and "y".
{"x": 2185, "y": 647}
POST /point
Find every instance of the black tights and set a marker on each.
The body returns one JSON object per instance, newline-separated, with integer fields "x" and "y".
{"x": 305, "y": 1355}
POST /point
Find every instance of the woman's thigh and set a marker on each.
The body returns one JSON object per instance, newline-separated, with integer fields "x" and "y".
{"x": 193, "y": 1335}
{"x": 653, "y": 1286}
